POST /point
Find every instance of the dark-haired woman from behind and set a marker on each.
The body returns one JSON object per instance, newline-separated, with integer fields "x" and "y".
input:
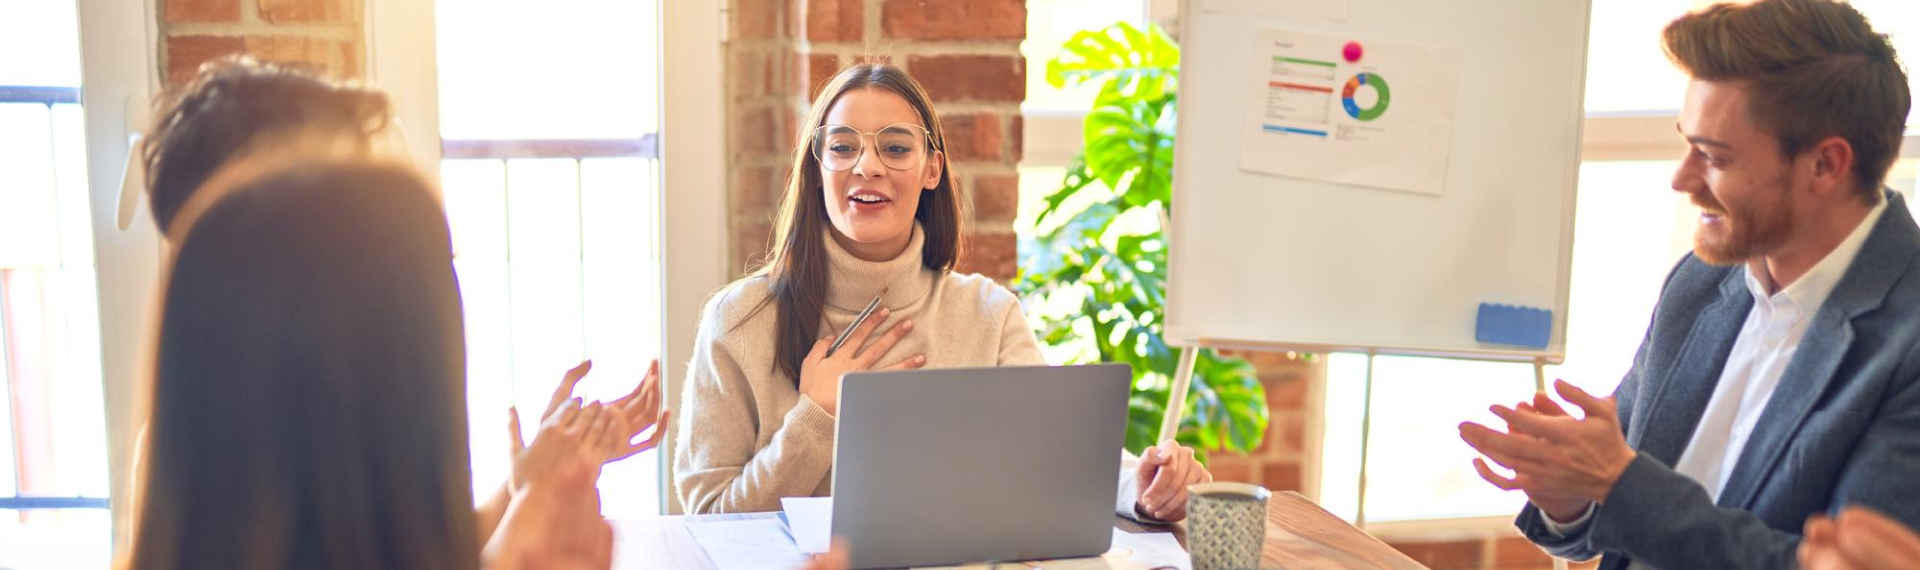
{"x": 308, "y": 392}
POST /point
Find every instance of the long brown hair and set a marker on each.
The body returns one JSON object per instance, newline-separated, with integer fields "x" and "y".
{"x": 308, "y": 397}
{"x": 1812, "y": 69}
{"x": 797, "y": 268}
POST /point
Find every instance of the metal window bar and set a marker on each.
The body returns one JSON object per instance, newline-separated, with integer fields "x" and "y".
{"x": 6, "y": 387}
{"x": 51, "y": 503}
{"x": 646, "y": 146}
{"x": 48, "y": 96}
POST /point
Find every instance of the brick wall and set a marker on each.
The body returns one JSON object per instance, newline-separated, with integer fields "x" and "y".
{"x": 1281, "y": 462}
{"x": 322, "y": 35}
{"x": 966, "y": 53}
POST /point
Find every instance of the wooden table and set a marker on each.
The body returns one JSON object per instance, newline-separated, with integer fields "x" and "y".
{"x": 1300, "y": 536}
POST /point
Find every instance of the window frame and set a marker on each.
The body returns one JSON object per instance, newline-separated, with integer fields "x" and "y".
{"x": 119, "y": 75}
{"x": 690, "y": 221}
{"x": 692, "y": 160}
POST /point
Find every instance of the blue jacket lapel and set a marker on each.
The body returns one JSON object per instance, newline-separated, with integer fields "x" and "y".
{"x": 1683, "y": 394}
{"x": 1822, "y": 349}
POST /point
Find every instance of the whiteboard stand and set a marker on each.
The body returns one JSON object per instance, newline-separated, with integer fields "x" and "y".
{"x": 1177, "y": 398}
{"x": 1540, "y": 373}
{"x": 1366, "y": 435}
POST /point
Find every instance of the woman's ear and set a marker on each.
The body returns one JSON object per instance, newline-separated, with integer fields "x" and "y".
{"x": 935, "y": 165}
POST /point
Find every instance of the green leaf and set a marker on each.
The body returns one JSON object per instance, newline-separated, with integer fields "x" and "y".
{"x": 1076, "y": 179}
{"x": 1127, "y": 147}
{"x": 1128, "y": 61}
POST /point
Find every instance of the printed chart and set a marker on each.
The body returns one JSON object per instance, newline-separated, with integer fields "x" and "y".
{"x": 1323, "y": 109}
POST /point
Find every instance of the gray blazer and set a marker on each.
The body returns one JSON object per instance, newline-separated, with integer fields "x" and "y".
{"x": 1842, "y": 428}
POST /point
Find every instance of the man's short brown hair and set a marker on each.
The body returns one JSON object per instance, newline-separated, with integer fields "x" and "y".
{"x": 1812, "y": 69}
{"x": 231, "y": 105}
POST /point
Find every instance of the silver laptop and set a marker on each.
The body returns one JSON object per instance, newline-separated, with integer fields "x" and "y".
{"x": 938, "y": 467}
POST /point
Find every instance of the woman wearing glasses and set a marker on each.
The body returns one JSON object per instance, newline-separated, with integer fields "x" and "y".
{"x": 870, "y": 212}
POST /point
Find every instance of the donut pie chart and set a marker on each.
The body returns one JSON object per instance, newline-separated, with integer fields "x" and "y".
{"x": 1353, "y": 107}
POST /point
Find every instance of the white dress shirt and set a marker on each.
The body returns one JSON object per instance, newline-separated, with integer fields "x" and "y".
{"x": 1760, "y": 354}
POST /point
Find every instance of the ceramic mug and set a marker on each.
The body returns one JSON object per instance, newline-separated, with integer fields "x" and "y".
{"x": 1226, "y": 525}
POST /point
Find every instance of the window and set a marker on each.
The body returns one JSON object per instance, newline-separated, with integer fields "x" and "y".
{"x": 552, "y": 185}
{"x": 53, "y": 456}
{"x": 1627, "y": 73}
{"x": 1417, "y": 468}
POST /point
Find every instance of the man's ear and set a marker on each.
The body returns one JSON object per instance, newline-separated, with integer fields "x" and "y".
{"x": 1832, "y": 163}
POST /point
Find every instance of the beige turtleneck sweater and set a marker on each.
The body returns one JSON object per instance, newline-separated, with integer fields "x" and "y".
{"x": 748, "y": 437}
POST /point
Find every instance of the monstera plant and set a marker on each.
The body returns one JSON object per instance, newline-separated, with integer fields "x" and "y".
{"x": 1094, "y": 268}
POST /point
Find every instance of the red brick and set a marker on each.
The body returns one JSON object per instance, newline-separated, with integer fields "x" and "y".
{"x": 954, "y": 19}
{"x": 780, "y": 65}
{"x": 996, "y": 197}
{"x": 1280, "y": 476}
{"x": 836, "y": 20}
{"x": 1232, "y": 467}
{"x": 299, "y": 11}
{"x": 1517, "y": 552}
{"x": 756, "y": 72}
{"x": 792, "y": 24}
{"x": 821, "y": 67}
{"x": 1293, "y": 430}
{"x": 788, "y": 129}
{"x": 754, "y": 128}
{"x": 1285, "y": 393}
{"x": 200, "y": 11}
{"x": 1018, "y": 132}
{"x": 751, "y": 241}
{"x": 757, "y": 19}
{"x": 332, "y": 58}
{"x": 975, "y": 136}
{"x": 993, "y": 254}
{"x": 756, "y": 190}
{"x": 1286, "y": 434}
{"x": 996, "y": 78}
{"x": 1447, "y": 555}
{"x": 186, "y": 53}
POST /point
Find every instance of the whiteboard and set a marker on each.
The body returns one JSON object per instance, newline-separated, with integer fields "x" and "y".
{"x": 1261, "y": 259}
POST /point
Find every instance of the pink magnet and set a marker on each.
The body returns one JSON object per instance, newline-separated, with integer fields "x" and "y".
{"x": 1351, "y": 52}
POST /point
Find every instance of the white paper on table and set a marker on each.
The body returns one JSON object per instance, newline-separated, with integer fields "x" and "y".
{"x": 1327, "y": 9}
{"x": 1131, "y": 551}
{"x": 1383, "y": 121}
{"x": 758, "y": 544}
{"x": 811, "y": 520}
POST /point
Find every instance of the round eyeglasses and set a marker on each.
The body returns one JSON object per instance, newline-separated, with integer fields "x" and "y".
{"x": 900, "y": 146}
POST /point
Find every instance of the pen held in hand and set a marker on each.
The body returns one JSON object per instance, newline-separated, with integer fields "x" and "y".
{"x": 864, "y": 313}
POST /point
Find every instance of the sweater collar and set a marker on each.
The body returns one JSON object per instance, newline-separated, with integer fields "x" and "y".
{"x": 854, "y": 282}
